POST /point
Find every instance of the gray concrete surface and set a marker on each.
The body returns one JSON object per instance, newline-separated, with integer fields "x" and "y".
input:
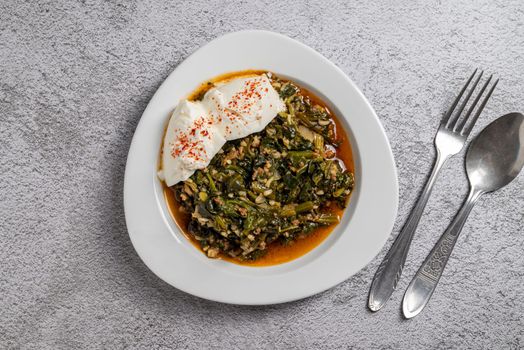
{"x": 75, "y": 77}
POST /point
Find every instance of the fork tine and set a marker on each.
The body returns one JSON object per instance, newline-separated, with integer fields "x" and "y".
{"x": 454, "y": 121}
{"x": 482, "y": 105}
{"x": 452, "y": 108}
{"x": 460, "y": 126}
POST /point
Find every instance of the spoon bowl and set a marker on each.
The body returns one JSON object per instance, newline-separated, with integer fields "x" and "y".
{"x": 496, "y": 155}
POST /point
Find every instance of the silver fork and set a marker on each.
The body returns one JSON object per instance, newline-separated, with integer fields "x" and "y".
{"x": 449, "y": 140}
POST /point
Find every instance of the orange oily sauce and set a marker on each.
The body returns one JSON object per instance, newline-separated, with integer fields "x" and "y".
{"x": 276, "y": 253}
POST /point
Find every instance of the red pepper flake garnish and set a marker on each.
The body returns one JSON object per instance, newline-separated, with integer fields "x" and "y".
{"x": 244, "y": 101}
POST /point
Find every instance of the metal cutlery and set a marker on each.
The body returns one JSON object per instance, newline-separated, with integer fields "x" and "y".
{"x": 494, "y": 159}
{"x": 449, "y": 140}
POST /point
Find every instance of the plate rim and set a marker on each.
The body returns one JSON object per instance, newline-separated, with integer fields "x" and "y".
{"x": 290, "y": 296}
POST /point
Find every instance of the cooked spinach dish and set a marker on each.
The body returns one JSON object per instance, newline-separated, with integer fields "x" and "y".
{"x": 275, "y": 186}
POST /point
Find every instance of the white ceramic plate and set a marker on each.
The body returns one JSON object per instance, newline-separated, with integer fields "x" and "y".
{"x": 366, "y": 223}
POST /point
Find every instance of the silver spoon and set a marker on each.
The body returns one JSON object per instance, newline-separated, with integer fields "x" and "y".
{"x": 494, "y": 159}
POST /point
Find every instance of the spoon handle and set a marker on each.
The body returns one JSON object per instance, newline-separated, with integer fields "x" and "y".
{"x": 425, "y": 281}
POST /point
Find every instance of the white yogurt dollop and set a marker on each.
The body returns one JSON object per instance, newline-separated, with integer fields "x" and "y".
{"x": 198, "y": 130}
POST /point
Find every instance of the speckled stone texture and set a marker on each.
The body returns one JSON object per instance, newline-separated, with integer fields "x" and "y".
{"x": 75, "y": 78}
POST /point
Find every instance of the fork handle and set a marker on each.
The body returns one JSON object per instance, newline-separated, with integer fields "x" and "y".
{"x": 390, "y": 270}
{"x": 425, "y": 281}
